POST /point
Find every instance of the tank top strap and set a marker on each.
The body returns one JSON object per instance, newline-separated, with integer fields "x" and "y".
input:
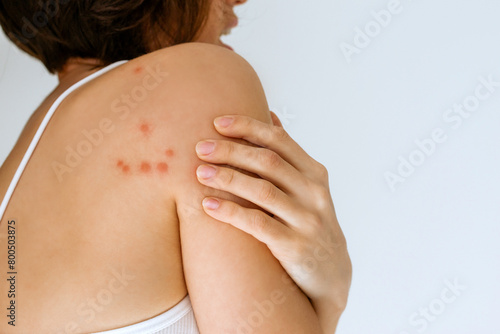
{"x": 41, "y": 129}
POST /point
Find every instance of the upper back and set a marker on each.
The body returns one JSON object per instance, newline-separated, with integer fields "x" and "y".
{"x": 111, "y": 192}
{"x": 96, "y": 202}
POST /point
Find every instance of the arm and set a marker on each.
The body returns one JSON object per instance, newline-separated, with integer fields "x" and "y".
{"x": 304, "y": 234}
{"x": 235, "y": 283}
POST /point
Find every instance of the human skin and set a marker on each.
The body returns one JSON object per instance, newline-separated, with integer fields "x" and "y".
{"x": 303, "y": 232}
{"x": 101, "y": 239}
{"x": 136, "y": 163}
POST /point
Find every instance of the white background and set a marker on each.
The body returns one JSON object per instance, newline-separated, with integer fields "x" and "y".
{"x": 358, "y": 118}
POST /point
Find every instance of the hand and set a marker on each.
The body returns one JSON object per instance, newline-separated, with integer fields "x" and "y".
{"x": 303, "y": 233}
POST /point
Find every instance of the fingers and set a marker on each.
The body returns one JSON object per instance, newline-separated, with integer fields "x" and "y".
{"x": 258, "y": 191}
{"x": 276, "y": 120}
{"x": 269, "y": 136}
{"x": 263, "y": 162}
{"x": 251, "y": 221}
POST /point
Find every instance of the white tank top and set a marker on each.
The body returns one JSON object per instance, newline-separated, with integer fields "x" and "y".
{"x": 180, "y": 318}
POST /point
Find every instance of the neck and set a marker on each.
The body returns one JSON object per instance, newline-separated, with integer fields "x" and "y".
{"x": 77, "y": 68}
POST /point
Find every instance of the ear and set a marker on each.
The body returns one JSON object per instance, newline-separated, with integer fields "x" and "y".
{"x": 276, "y": 120}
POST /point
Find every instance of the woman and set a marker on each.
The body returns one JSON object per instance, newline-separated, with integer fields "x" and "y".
{"x": 109, "y": 222}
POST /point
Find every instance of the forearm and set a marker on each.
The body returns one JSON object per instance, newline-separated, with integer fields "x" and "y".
{"x": 328, "y": 314}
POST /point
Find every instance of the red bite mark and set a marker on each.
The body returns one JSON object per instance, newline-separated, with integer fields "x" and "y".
{"x": 145, "y": 167}
{"x": 124, "y": 168}
{"x": 138, "y": 70}
{"x": 162, "y": 167}
{"x": 145, "y": 129}
{"x": 169, "y": 153}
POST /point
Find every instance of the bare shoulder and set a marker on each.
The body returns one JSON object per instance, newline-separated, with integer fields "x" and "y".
{"x": 189, "y": 63}
{"x": 158, "y": 106}
{"x": 192, "y": 80}
{"x": 228, "y": 273}
{"x": 174, "y": 94}
{"x": 203, "y": 72}
{"x": 201, "y": 82}
{"x": 199, "y": 56}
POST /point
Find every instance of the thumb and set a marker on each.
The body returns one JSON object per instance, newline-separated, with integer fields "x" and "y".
{"x": 276, "y": 120}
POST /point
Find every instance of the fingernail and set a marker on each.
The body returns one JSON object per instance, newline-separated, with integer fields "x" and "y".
{"x": 211, "y": 203}
{"x": 205, "y": 147}
{"x": 224, "y": 122}
{"x": 206, "y": 172}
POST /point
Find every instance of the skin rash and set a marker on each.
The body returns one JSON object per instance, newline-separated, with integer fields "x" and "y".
{"x": 93, "y": 138}
{"x": 145, "y": 167}
{"x": 138, "y": 70}
{"x": 145, "y": 129}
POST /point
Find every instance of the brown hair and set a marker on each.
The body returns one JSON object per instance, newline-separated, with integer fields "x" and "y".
{"x": 110, "y": 30}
